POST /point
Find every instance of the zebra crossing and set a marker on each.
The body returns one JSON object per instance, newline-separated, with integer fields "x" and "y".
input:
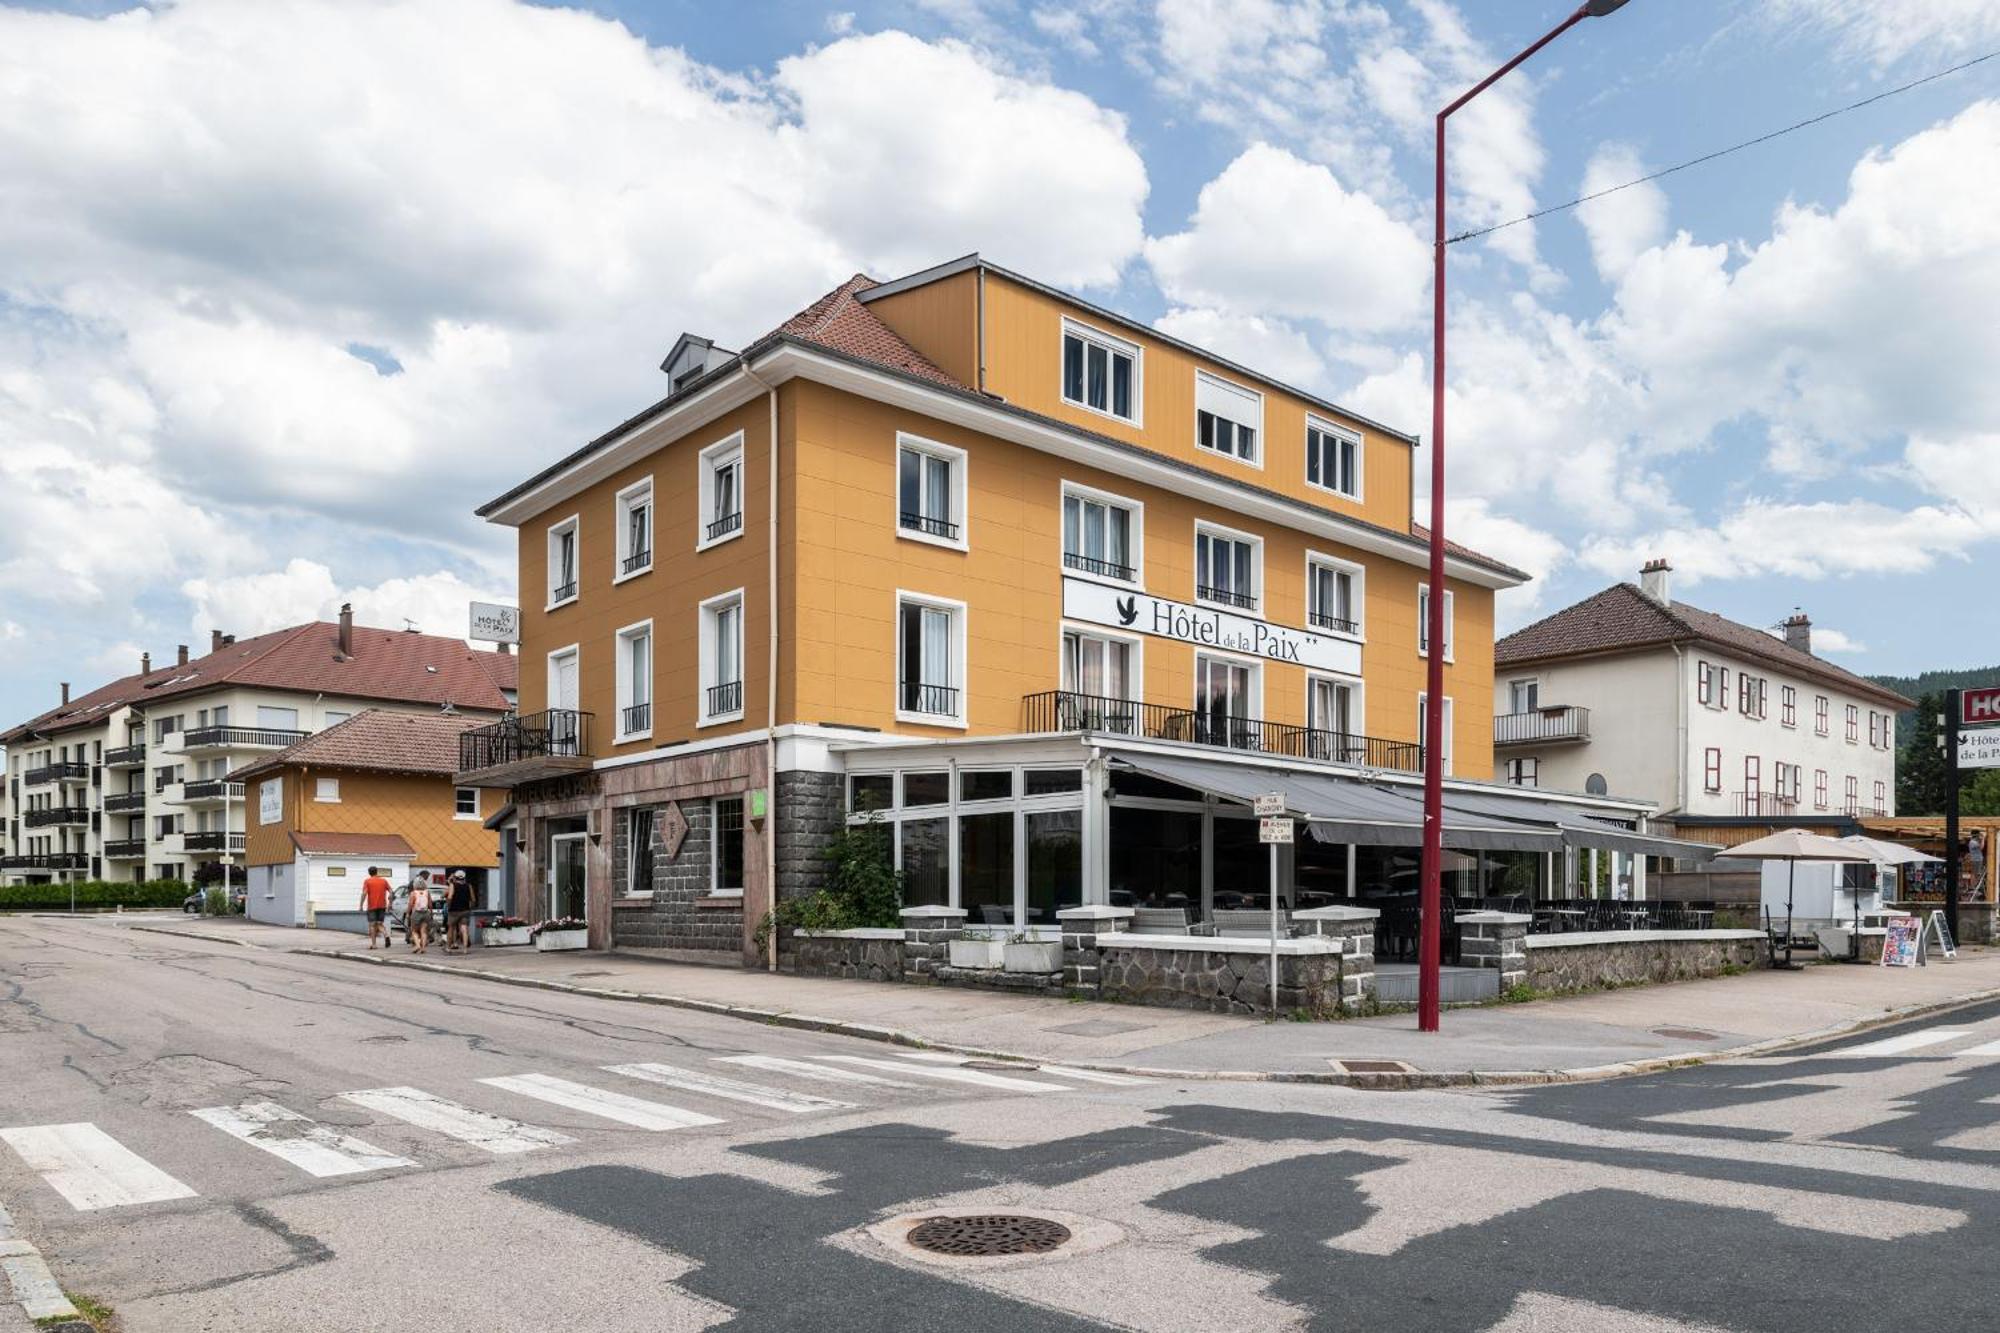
{"x": 91, "y": 1170}
{"x": 1924, "y": 1042}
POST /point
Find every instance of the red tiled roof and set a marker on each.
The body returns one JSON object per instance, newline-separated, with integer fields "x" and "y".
{"x": 1622, "y": 617}
{"x": 353, "y": 844}
{"x": 839, "y": 322}
{"x": 86, "y": 709}
{"x": 378, "y": 741}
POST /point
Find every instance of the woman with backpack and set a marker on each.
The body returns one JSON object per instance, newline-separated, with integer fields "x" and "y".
{"x": 417, "y": 914}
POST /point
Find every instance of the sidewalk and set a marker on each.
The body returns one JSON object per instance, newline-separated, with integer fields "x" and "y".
{"x": 1584, "y": 1036}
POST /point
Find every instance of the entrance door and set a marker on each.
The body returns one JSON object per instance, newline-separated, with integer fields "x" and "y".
{"x": 566, "y": 875}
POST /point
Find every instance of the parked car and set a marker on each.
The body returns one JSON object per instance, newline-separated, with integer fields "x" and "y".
{"x": 196, "y": 901}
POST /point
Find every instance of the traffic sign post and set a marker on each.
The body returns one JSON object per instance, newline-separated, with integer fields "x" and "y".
{"x": 1273, "y": 830}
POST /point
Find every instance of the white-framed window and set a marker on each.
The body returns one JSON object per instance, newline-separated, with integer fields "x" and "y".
{"x": 635, "y": 530}
{"x": 1853, "y": 724}
{"x": 1101, "y": 372}
{"x": 1753, "y": 695}
{"x": 334, "y": 717}
{"x": 725, "y": 866}
{"x": 930, "y": 660}
{"x": 1333, "y": 459}
{"x": 1228, "y": 567}
{"x": 1228, "y": 419}
{"x": 1103, "y": 535}
{"x": 326, "y": 790}
{"x": 1228, "y": 694}
{"x": 271, "y": 718}
{"x": 931, "y": 491}
{"x": 635, "y": 681}
{"x": 465, "y": 803}
{"x": 1449, "y": 717}
{"x": 1881, "y": 796}
{"x": 1788, "y": 706}
{"x": 565, "y": 543}
{"x": 1424, "y": 621}
{"x": 719, "y": 481}
{"x": 721, "y": 659}
{"x": 639, "y": 851}
{"x": 1335, "y": 719}
{"x": 1335, "y": 594}
{"x": 1100, "y": 665}
{"x": 565, "y": 672}
{"x": 1524, "y": 772}
{"x": 1524, "y": 696}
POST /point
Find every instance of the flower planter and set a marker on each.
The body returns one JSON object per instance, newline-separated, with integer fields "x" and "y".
{"x": 495, "y": 937}
{"x": 977, "y": 953}
{"x": 1034, "y": 956}
{"x": 556, "y": 941}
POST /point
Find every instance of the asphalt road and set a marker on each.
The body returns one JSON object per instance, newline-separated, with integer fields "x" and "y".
{"x": 207, "y": 1137}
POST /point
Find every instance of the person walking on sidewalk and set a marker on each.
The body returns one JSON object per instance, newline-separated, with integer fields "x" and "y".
{"x": 422, "y": 881}
{"x": 458, "y": 914}
{"x": 418, "y": 915}
{"x": 375, "y": 902}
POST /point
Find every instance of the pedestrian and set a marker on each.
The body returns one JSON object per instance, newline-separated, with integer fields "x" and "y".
{"x": 375, "y": 902}
{"x": 423, "y": 880}
{"x": 418, "y": 914}
{"x": 458, "y": 914}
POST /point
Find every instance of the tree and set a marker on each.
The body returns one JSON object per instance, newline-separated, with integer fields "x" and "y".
{"x": 1920, "y": 768}
{"x": 1979, "y": 794}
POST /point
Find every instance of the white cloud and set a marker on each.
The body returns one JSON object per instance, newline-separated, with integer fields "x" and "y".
{"x": 246, "y": 604}
{"x": 1245, "y": 250}
{"x": 1826, "y": 639}
{"x": 1269, "y": 345}
{"x": 1624, "y": 225}
{"x": 1884, "y": 31}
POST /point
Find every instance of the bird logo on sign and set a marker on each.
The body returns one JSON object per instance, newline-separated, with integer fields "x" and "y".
{"x": 1128, "y": 610}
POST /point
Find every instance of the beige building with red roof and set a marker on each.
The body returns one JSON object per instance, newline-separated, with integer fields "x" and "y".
{"x": 135, "y": 779}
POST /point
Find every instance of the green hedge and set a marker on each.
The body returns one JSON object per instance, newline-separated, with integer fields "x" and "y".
{"x": 93, "y": 893}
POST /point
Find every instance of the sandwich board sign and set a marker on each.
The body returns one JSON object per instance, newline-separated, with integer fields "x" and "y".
{"x": 1900, "y": 943}
{"x": 1936, "y": 928}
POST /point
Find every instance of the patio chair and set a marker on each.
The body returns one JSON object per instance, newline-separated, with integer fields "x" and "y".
{"x": 1159, "y": 921}
{"x": 1251, "y": 924}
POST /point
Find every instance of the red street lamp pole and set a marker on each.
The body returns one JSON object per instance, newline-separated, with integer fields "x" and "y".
{"x": 1433, "y": 855}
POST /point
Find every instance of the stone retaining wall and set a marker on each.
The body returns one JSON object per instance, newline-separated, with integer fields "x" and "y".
{"x": 1586, "y": 961}
{"x": 1976, "y": 921}
{"x": 1234, "y": 980}
{"x": 851, "y": 956}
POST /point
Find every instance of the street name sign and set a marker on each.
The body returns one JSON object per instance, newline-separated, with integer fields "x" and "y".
{"x": 1274, "y": 830}
{"x": 1980, "y": 707}
{"x": 1270, "y": 803}
{"x": 1979, "y": 749}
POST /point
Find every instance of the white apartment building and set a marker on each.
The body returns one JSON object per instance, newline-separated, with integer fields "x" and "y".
{"x": 1720, "y": 725}
{"x": 131, "y": 781}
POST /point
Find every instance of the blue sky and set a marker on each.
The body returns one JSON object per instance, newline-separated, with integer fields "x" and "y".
{"x": 270, "y": 326}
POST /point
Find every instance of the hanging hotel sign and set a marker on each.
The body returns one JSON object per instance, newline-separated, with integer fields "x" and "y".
{"x": 492, "y": 623}
{"x": 1206, "y": 627}
{"x": 1980, "y": 707}
{"x": 1980, "y": 748}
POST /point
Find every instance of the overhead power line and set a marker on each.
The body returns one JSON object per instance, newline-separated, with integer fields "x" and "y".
{"x": 1722, "y": 152}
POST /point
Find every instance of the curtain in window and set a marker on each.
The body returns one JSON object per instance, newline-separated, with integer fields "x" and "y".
{"x": 640, "y": 647}
{"x": 937, "y": 488}
{"x": 728, "y": 645}
{"x": 936, "y": 663}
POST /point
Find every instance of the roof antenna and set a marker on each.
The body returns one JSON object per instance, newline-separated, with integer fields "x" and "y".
{"x": 409, "y": 625}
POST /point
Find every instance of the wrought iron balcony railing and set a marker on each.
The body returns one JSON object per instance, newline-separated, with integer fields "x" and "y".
{"x": 725, "y": 525}
{"x": 1765, "y": 805}
{"x": 636, "y": 561}
{"x": 1327, "y": 620}
{"x": 931, "y": 527}
{"x": 1090, "y": 564}
{"x": 1065, "y": 710}
{"x": 1225, "y": 596}
{"x": 724, "y": 698}
{"x": 561, "y": 733}
{"x": 638, "y": 717}
{"x": 930, "y": 700}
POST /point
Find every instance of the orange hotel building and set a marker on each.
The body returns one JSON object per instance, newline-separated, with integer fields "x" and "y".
{"x": 1032, "y": 581}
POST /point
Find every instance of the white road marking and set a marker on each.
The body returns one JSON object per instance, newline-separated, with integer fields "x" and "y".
{"x": 713, "y": 1085}
{"x": 90, "y": 1168}
{"x": 496, "y": 1134}
{"x": 1065, "y": 1071}
{"x": 316, "y": 1149}
{"x": 779, "y": 1065}
{"x": 1909, "y": 1041}
{"x": 1989, "y": 1051}
{"x": 952, "y": 1074}
{"x": 617, "y": 1106}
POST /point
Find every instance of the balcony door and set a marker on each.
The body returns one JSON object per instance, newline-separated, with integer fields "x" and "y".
{"x": 562, "y": 681}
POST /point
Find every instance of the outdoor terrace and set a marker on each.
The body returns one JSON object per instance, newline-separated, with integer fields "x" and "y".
{"x": 525, "y": 748}
{"x": 1066, "y": 710}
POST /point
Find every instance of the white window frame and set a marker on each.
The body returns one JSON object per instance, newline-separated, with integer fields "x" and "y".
{"x": 1256, "y": 665}
{"x": 1529, "y": 767}
{"x": 1822, "y": 715}
{"x": 1135, "y": 660}
{"x": 622, "y": 670}
{"x": 1114, "y": 344}
{"x": 1201, "y": 526}
{"x": 960, "y": 664}
{"x": 1450, "y": 621}
{"x": 716, "y": 890}
{"x": 961, "y": 491}
{"x": 457, "y": 794}
{"x": 726, "y": 452}
{"x": 1136, "y": 526}
{"x": 573, "y": 525}
{"x": 706, "y": 677}
{"x": 1258, "y": 446}
{"x": 549, "y": 686}
{"x": 1514, "y": 684}
{"x": 326, "y": 791}
{"x": 1359, "y": 572}
{"x": 1450, "y": 726}
{"x": 632, "y": 497}
{"x": 1325, "y": 427}
{"x": 1359, "y": 688}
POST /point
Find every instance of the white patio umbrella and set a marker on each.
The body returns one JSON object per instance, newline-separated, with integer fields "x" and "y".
{"x": 1792, "y": 846}
{"x": 1882, "y": 853}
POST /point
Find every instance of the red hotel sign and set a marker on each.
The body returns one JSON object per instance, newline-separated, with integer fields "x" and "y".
{"x": 1981, "y": 707}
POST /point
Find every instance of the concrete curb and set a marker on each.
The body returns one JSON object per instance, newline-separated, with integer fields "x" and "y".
{"x": 1404, "y": 1081}
{"x": 29, "y": 1281}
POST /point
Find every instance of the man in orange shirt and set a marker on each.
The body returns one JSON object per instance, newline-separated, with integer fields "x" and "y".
{"x": 375, "y": 901}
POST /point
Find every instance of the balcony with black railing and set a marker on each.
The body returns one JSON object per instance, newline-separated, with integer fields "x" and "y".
{"x": 562, "y": 592}
{"x": 1327, "y": 620}
{"x": 240, "y": 738}
{"x": 1090, "y": 564}
{"x": 34, "y": 861}
{"x": 1225, "y": 597}
{"x": 61, "y": 772}
{"x": 212, "y": 841}
{"x": 1065, "y": 710}
{"x": 725, "y": 524}
{"x": 724, "y": 699}
{"x": 125, "y": 849}
{"x": 126, "y": 756}
{"x": 929, "y": 700}
{"x": 1559, "y": 725}
{"x": 636, "y": 561}
{"x": 929, "y": 526}
{"x": 525, "y": 748}
{"x": 636, "y": 718}
{"x": 55, "y": 816}
{"x": 124, "y": 802}
{"x": 203, "y": 790}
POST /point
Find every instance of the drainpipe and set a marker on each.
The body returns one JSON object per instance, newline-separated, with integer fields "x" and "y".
{"x": 771, "y": 686}
{"x": 980, "y": 300}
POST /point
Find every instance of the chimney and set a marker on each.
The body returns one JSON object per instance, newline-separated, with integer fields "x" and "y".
{"x": 145, "y": 664}
{"x": 347, "y": 629}
{"x": 1798, "y": 631}
{"x": 1655, "y": 579}
{"x": 504, "y": 649}
{"x": 215, "y": 641}
{"x": 65, "y": 691}
{"x": 181, "y": 653}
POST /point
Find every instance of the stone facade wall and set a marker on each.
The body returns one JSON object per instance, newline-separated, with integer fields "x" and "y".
{"x": 681, "y": 914}
{"x": 1221, "y": 982}
{"x": 1569, "y": 967}
{"x": 810, "y": 808}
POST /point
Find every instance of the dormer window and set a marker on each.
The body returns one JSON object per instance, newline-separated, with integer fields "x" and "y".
{"x": 563, "y": 553}
{"x": 1228, "y": 420}
{"x": 1100, "y": 372}
{"x": 1333, "y": 459}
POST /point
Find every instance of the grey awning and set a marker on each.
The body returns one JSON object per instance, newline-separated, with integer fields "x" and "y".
{"x": 1578, "y": 827}
{"x": 1344, "y": 810}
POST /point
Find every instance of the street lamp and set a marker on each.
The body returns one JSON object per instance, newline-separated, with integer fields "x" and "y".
{"x": 1433, "y": 854}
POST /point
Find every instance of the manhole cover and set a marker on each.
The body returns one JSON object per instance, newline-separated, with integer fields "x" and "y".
{"x": 1684, "y": 1034}
{"x": 980, "y": 1235}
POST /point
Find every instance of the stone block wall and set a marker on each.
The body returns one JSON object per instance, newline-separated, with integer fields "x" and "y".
{"x": 809, "y": 811}
{"x": 844, "y": 957}
{"x": 1220, "y": 981}
{"x": 1497, "y": 940}
{"x": 1555, "y": 964}
{"x": 681, "y": 914}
